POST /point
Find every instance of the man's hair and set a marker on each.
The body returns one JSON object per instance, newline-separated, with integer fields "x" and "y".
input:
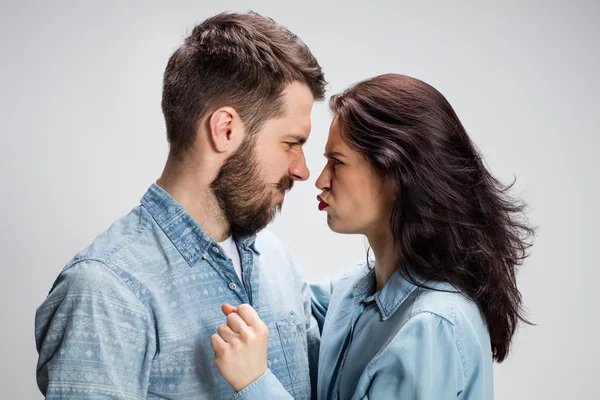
{"x": 244, "y": 61}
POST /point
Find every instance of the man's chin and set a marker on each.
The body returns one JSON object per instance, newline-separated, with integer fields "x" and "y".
{"x": 252, "y": 229}
{"x": 276, "y": 209}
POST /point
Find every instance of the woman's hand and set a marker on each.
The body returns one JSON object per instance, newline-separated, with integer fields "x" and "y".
{"x": 241, "y": 346}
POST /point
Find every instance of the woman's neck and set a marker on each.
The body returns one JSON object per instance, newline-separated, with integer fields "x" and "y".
{"x": 385, "y": 255}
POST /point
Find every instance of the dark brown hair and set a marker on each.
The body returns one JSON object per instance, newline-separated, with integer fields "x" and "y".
{"x": 238, "y": 60}
{"x": 452, "y": 220}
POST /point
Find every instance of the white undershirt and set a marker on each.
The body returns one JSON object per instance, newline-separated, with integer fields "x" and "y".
{"x": 230, "y": 249}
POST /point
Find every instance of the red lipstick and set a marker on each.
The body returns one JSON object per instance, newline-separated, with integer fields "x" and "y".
{"x": 322, "y": 204}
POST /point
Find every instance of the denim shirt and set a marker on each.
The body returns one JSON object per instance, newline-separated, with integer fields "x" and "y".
{"x": 131, "y": 316}
{"x": 403, "y": 342}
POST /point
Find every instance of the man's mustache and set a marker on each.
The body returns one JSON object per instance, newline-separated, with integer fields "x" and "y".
{"x": 286, "y": 183}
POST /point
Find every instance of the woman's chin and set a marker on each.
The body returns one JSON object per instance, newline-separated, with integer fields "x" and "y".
{"x": 338, "y": 226}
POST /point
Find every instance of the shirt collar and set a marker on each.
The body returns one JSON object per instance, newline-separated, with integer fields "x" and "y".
{"x": 365, "y": 286}
{"x": 183, "y": 231}
{"x": 394, "y": 293}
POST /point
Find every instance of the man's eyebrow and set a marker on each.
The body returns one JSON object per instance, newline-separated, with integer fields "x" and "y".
{"x": 297, "y": 138}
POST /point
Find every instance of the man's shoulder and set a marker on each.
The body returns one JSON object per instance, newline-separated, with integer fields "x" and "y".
{"x": 124, "y": 233}
{"x": 112, "y": 258}
{"x": 87, "y": 286}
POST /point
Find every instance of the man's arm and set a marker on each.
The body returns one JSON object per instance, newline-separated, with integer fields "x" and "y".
{"x": 94, "y": 337}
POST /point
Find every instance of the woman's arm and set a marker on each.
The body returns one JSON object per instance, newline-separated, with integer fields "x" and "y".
{"x": 320, "y": 294}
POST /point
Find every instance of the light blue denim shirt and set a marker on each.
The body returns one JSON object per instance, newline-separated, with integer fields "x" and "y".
{"x": 131, "y": 316}
{"x": 403, "y": 342}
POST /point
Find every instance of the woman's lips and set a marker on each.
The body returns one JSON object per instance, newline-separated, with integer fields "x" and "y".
{"x": 322, "y": 204}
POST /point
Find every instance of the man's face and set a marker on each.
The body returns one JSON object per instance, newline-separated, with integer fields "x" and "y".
{"x": 251, "y": 185}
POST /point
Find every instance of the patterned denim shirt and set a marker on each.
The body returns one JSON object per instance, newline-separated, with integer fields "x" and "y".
{"x": 131, "y": 316}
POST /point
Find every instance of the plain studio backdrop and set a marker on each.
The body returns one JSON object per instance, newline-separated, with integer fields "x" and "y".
{"x": 83, "y": 137}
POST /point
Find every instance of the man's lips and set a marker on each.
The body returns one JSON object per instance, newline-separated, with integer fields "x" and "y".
{"x": 322, "y": 204}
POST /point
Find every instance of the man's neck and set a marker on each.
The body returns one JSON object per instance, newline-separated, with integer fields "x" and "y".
{"x": 192, "y": 190}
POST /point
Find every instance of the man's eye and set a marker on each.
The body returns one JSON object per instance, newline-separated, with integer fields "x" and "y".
{"x": 291, "y": 145}
{"x": 336, "y": 162}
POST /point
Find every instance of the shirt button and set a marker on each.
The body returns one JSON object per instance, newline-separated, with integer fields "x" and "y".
{"x": 216, "y": 249}
{"x": 205, "y": 256}
{"x": 232, "y": 286}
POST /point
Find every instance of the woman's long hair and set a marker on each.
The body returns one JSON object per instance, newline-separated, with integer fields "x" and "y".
{"x": 452, "y": 221}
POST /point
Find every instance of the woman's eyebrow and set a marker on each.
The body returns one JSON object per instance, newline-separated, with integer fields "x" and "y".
{"x": 333, "y": 154}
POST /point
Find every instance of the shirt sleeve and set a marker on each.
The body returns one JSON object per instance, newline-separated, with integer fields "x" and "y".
{"x": 320, "y": 294}
{"x": 314, "y": 327}
{"x": 266, "y": 387}
{"x": 421, "y": 363}
{"x": 95, "y": 338}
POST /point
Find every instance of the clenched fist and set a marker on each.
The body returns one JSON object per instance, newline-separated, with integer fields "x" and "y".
{"x": 241, "y": 346}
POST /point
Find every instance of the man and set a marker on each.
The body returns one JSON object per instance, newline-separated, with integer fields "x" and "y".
{"x": 131, "y": 316}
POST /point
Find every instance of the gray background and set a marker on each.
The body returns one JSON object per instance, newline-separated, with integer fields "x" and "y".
{"x": 83, "y": 137}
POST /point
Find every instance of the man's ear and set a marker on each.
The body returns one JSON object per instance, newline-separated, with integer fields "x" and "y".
{"x": 225, "y": 130}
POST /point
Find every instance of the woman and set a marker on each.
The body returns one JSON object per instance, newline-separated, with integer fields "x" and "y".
{"x": 425, "y": 318}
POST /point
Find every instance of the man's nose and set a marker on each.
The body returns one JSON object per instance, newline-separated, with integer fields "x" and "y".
{"x": 298, "y": 169}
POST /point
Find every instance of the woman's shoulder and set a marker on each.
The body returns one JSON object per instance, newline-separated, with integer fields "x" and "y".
{"x": 447, "y": 302}
{"x": 358, "y": 270}
{"x": 459, "y": 313}
{"x": 445, "y": 320}
{"x": 352, "y": 276}
{"x": 338, "y": 289}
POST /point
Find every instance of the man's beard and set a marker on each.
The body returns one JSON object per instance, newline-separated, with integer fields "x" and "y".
{"x": 243, "y": 196}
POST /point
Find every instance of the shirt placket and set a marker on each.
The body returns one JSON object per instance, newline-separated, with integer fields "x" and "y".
{"x": 247, "y": 260}
{"x": 224, "y": 267}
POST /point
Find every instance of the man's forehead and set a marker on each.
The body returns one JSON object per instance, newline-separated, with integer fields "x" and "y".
{"x": 288, "y": 129}
{"x": 298, "y": 99}
{"x": 296, "y": 125}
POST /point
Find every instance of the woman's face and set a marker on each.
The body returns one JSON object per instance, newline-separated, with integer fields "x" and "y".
{"x": 354, "y": 196}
